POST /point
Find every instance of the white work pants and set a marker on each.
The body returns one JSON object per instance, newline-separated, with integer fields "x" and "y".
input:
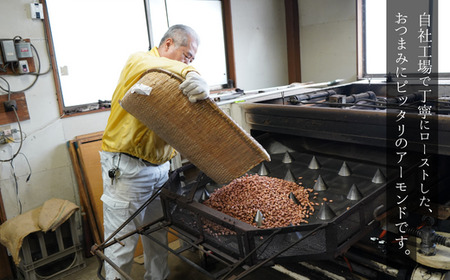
{"x": 131, "y": 189}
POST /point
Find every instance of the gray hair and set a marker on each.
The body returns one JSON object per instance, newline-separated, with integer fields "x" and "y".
{"x": 180, "y": 34}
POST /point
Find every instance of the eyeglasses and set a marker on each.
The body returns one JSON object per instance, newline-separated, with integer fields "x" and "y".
{"x": 189, "y": 57}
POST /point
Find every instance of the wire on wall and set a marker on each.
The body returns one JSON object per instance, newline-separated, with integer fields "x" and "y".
{"x": 21, "y": 138}
{"x": 8, "y": 90}
{"x": 6, "y": 87}
{"x": 16, "y": 188}
{"x": 38, "y": 71}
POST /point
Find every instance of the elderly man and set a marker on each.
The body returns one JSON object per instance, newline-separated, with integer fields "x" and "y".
{"x": 138, "y": 157}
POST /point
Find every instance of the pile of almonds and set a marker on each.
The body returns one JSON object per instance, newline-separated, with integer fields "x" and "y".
{"x": 244, "y": 196}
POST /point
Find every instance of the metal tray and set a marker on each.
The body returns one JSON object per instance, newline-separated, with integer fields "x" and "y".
{"x": 332, "y": 229}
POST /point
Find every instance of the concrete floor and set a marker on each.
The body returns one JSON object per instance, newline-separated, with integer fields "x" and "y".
{"x": 178, "y": 269}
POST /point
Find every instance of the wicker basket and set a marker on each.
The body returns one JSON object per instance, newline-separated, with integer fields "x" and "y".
{"x": 200, "y": 131}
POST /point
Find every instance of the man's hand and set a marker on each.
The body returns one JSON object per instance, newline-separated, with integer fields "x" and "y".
{"x": 195, "y": 87}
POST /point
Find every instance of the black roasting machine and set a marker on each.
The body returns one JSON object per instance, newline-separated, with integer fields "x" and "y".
{"x": 336, "y": 140}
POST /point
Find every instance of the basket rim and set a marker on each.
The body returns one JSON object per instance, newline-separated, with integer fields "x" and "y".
{"x": 251, "y": 142}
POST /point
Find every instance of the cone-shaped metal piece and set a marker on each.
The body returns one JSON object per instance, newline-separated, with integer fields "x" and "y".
{"x": 293, "y": 236}
{"x": 345, "y": 170}
{"x": 259, "y": 218}
{"x": 379, "y": 178}
{"x": 314, "y": 164}
{"x": 293, "y": 198}
{"x": 320, "y": 185}
{"x": 289, "y": 176}
{"x": 354, "y": 193}
{"x": 204, "y": 196}
{"x": 325, "y": 212}
{"x": 263, "y": 170}
{"x": 287, "y": 158}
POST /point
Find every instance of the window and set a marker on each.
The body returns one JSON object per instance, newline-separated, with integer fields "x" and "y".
{"x": 92, "y": 42}
{"x": 210, "y": 60}
{"x": 372, "y": 37}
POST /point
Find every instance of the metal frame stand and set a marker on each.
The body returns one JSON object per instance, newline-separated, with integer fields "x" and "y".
{"x": 231, "y": 264}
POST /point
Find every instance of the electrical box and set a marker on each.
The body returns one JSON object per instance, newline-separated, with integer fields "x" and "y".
{"x": 37, "y": 12}
{"x": 8, "y": 51}
{"x": 23, "y": 67}
{"x": 16, "y": 56}
{"x": 23, "y": 49}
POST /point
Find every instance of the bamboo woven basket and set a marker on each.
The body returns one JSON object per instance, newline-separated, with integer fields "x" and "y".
{"x": 200, "y": 131}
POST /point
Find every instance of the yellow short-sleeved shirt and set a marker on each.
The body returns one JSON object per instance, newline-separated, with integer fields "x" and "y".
{"x": 126, "y": 134}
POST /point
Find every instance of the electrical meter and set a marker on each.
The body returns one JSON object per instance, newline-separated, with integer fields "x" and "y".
{"x": 23, "y": 49}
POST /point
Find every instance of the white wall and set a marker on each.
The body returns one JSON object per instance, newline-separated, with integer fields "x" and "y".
{"x": 260, "y": 59}
{"x": 259, "y": 30}
{"x": 328, "y": 52}
{"x": 328, "y": 40}
{"x": 46, "y": 133}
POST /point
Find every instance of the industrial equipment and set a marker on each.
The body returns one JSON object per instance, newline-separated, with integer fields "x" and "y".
{"x": 339, "y": 141}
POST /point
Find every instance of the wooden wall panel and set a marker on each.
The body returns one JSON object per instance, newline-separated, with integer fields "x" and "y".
{"x": 293, "y": 40}
{"x": 22, "y": 108}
